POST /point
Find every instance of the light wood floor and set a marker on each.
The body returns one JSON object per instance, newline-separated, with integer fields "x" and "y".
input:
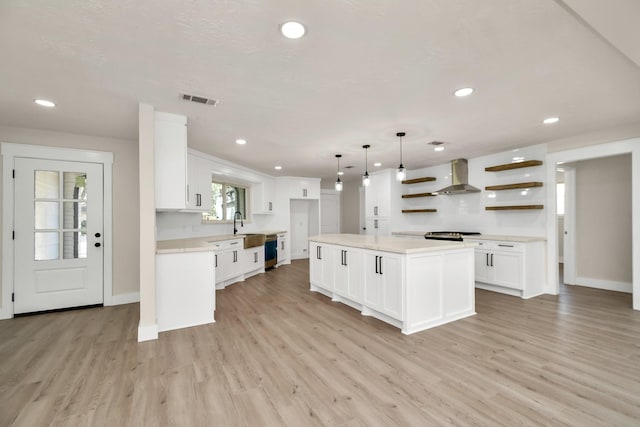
{"x": 281, "y": 355}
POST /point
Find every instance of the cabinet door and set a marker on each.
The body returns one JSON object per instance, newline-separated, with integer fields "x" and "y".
{"x": 372, "y": 281}
{"x": 283, "y": 248}
{"x": 482, "y": 265}
{"x": 377, "y": 195}
{"x": 315, "y": 264}
{"x": 253, "y": 259}
{"x": 507, "y": 269}
{"x": 378, "y": 227}
{"x": 355, "y": 265}
{"x": 218, "y": 263}
{"x": 341, "y": 271}
{"x": 198, "y": 184}
{"x": 328, "y": 254}
{"x": 391, "y": 273}
{"x": 232, "y": 263}
{"x": 170, "y": 156}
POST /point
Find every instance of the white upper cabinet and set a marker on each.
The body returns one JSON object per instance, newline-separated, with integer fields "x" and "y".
{"x": 304, "y": 188}
{"x": 198, "y": 184}
{"x": 170, "y": 141}
{"x": 262, "y": 197}
{"x": 378, "y": 195}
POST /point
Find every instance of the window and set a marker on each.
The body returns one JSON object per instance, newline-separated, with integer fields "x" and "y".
{"x": 227, "y": 199}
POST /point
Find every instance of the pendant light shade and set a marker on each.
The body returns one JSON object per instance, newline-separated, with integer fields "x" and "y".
{"x": 365, "y": 177}
{"x": 401, "y": 172}
{"x": 338, "y": 181}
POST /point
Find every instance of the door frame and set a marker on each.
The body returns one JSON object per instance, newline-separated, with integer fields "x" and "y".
{"x": 628, "y": 146}
{"x": 9, "y": 152}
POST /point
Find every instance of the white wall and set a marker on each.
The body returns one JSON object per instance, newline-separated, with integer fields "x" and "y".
{"x": 466, "y": 212}
{"x": 603, "y": 220}
{"x": 350, "y": 207}
{"x": 125, "y": 194}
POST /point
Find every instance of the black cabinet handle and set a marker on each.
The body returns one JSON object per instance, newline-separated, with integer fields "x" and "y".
{"x": 491, "y": 260}
{"x": 97, "y": 245}
{"x": 377, "y": 263}
{"x": 215, "y": 258}
{"x": 505, "y": 246}
{"x": 97, "y": 234}
{"x": 487, "y": 260}
{"x": 380, "y": 261}
{"x": 345, "y": 258}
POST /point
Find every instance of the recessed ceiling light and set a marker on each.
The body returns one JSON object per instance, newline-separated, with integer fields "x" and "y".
{"x": 551, "y": 120}
{"x": 377, "y": 164}
{"x": 439, "y": 148}
{"x": 341, "y": 173}
{"x": 277, "y": 168}
{"x": 293, "y": 30}
{"x": 241, "y": 141}
{"x": 44, "y": 103}
{"x": 465, "y": 91}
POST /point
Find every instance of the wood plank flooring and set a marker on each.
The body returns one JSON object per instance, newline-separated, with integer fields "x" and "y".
{"x": 281, "y": 355}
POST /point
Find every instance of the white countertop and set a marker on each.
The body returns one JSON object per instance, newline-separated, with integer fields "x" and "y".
{"x": 503, "y": 238}
{"x": 390, "y": 244}
{"x": 199, "y": 244}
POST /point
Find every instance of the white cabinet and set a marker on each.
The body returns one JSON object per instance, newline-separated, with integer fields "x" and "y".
{"x": 263, "y": 196}
{"x": 253, "y": 259}
{"x": 228, "y": 261}
{"x": 232, "y": 261}
{"x": 383, "y": 283}
{"x": 378, "y": 195}
{"x": 378, "y": 227}
{"x": 198, "y": 184}
{"x": 304, "y": 188}
{"x": 284, "y": 253}
{"x": 316, "y": 267}
{"x": 515, "y": 268}
{"x": 170, "y": 150}
{"x": 349, "y": 273}
{"x": 185, "y": 289}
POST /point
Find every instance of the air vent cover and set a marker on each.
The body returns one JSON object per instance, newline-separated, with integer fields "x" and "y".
{"x": 199, "y": 99}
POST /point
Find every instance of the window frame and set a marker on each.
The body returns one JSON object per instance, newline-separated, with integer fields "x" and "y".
{"x": 208, "y": 217}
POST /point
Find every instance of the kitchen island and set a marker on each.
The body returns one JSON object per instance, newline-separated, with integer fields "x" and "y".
{"x": 409, "y": 283}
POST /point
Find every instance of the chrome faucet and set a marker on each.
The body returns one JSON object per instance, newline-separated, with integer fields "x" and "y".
{"x": 235, "y": 216}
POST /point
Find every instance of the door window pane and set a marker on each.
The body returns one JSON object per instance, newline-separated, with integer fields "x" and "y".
{"x": 75, "y": 215}
{"x": 75, "y": 185}
{"x": 74, "y": 244}
{"x": 47, "y": 215}
{"x": 46, "y": 245}
{"x": 47, "y": 185}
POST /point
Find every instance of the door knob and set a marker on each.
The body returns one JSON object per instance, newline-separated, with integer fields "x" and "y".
{"x": 97, "y": 245}
{"x": 97, "y": 234}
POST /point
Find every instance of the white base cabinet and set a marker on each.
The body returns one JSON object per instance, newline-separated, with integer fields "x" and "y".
{"x": 283, "y": 250}
{"x": 413, "y": 292}
{"x": 514, "y": 268}
{"x": 234, "y": 264}
{"x": 185, "y": 290}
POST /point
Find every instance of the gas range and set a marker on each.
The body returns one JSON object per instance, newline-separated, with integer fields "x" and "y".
{"x": 455, "y": 236}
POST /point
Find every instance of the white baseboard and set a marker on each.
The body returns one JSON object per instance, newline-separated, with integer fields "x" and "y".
{"x": 609, "y": 285}
{"x": 6, "y": 311}
{"x": 147, "y": 333}
{"x": 123, "y": 299}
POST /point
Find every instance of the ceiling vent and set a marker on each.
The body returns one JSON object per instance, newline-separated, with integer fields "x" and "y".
{"x": 199, "y": 99}
{"x": 436, "y": 143}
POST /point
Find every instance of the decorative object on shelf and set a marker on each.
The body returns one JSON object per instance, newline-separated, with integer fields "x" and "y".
{"x": 338, "y": 181}
{"x": 516, "y": 165}
{"x": 418, "y": 180}
{"x": 513, "y": 208}
{"x": 419, "y": 210}
{"x": 514, "y": 186}
{"x": 365, "y": 178}
{"x": 401, "y": 172}
{"x": 411, "y": 196}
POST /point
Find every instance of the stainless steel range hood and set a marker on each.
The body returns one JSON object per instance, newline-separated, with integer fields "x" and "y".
{"x": 459, "y": 179}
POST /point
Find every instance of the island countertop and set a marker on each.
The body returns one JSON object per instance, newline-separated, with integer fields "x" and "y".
{"x": 501, "y": 237}
{"x": 390, "y": 244}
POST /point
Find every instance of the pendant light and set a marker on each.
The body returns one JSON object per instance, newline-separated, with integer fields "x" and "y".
{"x": 401, "y": 172}
{"x": 365, "y": 177}
{"x": 338, "y": 181}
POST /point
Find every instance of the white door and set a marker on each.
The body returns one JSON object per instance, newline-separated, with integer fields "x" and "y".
{"x": 58, "y": 215}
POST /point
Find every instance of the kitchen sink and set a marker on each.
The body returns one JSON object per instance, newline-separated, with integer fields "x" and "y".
{"x": 252, "y": 240}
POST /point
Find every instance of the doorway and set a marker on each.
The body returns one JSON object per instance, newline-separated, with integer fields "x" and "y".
{"x": 57, "y": 206}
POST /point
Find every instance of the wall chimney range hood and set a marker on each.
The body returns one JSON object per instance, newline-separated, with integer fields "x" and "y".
{"x": 459, "y": 179}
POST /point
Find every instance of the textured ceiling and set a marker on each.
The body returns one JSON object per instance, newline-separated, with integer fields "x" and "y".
{"x": 365, "y": 70}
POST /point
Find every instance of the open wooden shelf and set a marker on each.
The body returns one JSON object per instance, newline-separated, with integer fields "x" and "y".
{"x": 517, "y": 165}
{"x": 411, "y": 196}
{"x": 513, "y": 208}
{"x": 513, "y": 186}
{"x": 419, "y": 210}
{"x": 417, "y": 180}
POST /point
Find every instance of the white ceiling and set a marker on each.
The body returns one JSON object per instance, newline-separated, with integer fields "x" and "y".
{"x": 365, "y": 70}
